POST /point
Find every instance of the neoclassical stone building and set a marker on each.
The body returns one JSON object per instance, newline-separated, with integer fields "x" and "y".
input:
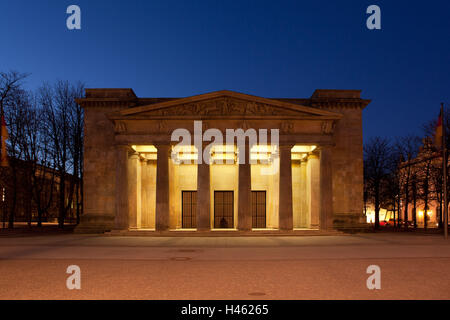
{"x": 136, "y": 179}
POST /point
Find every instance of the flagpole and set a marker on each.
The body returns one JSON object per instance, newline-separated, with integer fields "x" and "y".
{"x": 444, "y": 169}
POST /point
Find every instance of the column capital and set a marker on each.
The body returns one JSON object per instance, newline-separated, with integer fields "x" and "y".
{"x": 163, "y": 145}
{"x": 134, "y": 155}
{"x": 286, "y": 145}
{"x": 124, "y": 147}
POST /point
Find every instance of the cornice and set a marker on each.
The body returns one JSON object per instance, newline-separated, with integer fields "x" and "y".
{"x": 106, "y": 102}
{"x": 339, "y": 103}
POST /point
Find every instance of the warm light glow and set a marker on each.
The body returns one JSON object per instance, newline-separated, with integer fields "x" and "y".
{"x": 223, "y": 156}
{"x": 263, "y": 148}
{"x": 264, "y": 153}
{"x": 145, "y": 149}
{"x": 300, "y": 152}
{"x": 260, "y": 156}
{"x": 184, "y": 149}
{"x": 148, "y": 152}
{"x": 149, "y": 156}
{"x": 429, "y": 213}
{"x": 384, "y": 215}
{"x": 226, "y": 148}
{"x": 303, "y": 149}
{"x": 184, "y": 154}
{"x": 298, "y": 156}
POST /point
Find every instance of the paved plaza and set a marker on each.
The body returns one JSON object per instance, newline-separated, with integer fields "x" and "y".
{"x": 308, "y": 267}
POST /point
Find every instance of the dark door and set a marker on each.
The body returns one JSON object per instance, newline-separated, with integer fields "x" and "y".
{"x": 223, "y": 209}
{"x": 258, "y": 209}
{"x": 189, "y": 208}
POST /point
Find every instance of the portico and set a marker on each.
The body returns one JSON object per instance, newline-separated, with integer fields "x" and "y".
{"x": 138, "y": 177}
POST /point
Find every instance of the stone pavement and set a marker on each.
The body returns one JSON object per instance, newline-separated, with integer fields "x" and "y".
{"x": 316, "y": 267}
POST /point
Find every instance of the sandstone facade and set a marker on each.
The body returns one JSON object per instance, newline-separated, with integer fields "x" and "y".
{"x": 131, "y": 182}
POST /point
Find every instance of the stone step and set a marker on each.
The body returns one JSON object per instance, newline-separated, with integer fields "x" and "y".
{"x": 218, "y": 233}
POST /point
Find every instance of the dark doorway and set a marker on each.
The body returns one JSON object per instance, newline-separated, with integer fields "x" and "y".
{"x": 258, "y": 209}
{"x": 223, "y": 209}
{"x": 189, "y": 209}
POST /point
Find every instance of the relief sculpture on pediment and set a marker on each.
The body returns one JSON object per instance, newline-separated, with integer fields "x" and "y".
{"x": 223, "y": 107}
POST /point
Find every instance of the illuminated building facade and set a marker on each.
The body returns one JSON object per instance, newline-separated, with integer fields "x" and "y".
{"x": 137, "y": 178}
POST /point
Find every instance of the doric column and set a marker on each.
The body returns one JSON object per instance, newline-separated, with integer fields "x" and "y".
{"x": 134, "y": 192}
{"x": 203, "y": 197}
{"x": 313, "y": 168}
{"x": 285, "y": 207}
{"x": 121, "y": 218}
{"x": 162, "y": 188}
{"x": 245, "y": 191}
{"x": 305, "y": 217}
{"x": 326, "y": 189}
{"x": 147, "y": 202}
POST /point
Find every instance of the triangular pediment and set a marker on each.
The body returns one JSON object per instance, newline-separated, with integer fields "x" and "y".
{"x": 226, "y": 104}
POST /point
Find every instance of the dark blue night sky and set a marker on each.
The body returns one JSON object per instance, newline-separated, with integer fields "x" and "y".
{"x": 267, "y": 48}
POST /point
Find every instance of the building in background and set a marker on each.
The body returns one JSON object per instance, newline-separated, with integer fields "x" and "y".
{"x": 18, "y": 193}
{"x": 425, "y": 186}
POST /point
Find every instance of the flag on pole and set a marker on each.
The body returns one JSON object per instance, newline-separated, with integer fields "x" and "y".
{"x": 438, "y": 134}
{"x": 4, "y": 136}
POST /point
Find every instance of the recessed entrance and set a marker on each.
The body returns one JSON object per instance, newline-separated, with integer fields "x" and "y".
{"x": 188, "y": 212}
{"x": 258, "y": 209}
{"x": 223, "y": 209}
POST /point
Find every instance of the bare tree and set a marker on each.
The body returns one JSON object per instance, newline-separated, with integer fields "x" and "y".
{"x": 76, "y": 120}
{"x": 10, "y": 87}
{"x": 64, "y": 127}
{"x": 424, "y": 170}
{"x": 45, "y": 146}
{"x": 436, "y": 175}
{"x": 35, "y": 145}
{"x": 414, "y": 188}
{"x": 408, "y": 147}
{"x": 16, "y": 112}
{"x": 10, "y": 82}
{"x": 377, "y": 157}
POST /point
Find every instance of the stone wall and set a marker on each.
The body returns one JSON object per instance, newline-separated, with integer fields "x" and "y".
{"x": 347, "y": 169}
{"x": 99, "y": 171}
